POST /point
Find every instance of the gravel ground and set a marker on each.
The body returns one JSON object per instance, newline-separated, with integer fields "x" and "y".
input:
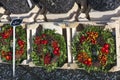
{"x": 37, "y": 73}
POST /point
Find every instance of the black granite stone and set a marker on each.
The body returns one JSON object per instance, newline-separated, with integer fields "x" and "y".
{"x": 63, "y": 6}
{"x": 38, "y": 73}
{"x": 5, "y": 72}
{"x": 53, "y": 6}
{"x": 16, "y": 6}
{"x": 56, "y": 6}
{"x": 104, "y": 5}
{"x": 59, "y": 6}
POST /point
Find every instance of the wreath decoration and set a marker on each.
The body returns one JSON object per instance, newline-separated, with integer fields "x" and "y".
{"x": 6, "y": 41}
{"x": 49, "y": 50}
{"x": 94, "y": 49}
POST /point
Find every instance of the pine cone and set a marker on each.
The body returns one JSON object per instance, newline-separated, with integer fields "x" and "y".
{"x": 18, "y": 56}
{"x": 54, "y": 59}
{"x": 78, "y": 47}
{"x": 50, "y": 38}
{"x": 39, "y": 50}
{"x": 100, "y": 41}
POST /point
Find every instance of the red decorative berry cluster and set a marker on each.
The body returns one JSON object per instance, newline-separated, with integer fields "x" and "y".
{"x": 7, "y": 33}
{"x": 104, "y": 54}
{"x": 21, "y": 43}
{"x": 41, "y": 40}
{"x": 19, "y": 52}
{"x": 56, "y": 48}
{"x": 105, "y": 48}
{"x": 47, "y": 59}
{"x": 7, "y": 55}
{"x": 53, "y": 45}
{"x": 84, "y": 58}
{"x": 91, "y": 36}
{"x": 82, "y": 39}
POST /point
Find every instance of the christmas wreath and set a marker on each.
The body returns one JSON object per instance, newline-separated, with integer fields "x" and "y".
{"x": 6, "y": 41}
{"x": 94, "y": 49}
{"x": 49, "y": 50}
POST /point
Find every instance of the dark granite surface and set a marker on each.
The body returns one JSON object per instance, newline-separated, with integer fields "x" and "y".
{"x": 104, "y": 5}
{"x": 56, "y": 6}
{"x": 63, "y": 6}
{"x": 59, "y": 6}
{"x": 53, "y": 6}
{"x": 37, "y": 73}
{"x": 16, "y": 6}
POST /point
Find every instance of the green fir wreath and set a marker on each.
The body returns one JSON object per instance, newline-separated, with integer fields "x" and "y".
{"x": 94, "y": 49}
{"x": 49, "y": 50}
{"x": 6, "y": 41}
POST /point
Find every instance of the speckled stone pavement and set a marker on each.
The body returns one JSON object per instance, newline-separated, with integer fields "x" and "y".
{"x": 37, "y": 73}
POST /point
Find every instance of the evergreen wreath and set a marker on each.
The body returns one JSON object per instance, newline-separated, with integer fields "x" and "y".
{"x": 49, "y": 50}
{"x": 94, "y": 49}
{"x": 6, "y": 41}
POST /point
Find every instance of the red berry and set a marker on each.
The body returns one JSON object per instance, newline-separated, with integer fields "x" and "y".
{"x": 42, "y": 42}
{"x": 54, "y": 44}
{"x": 57, "y": 48}
{"x": 47, "y": 59}
{"x": 103, "y": 50}
{"x": 5, "y": 36}
{"x": 43, "y": 35}
{"x": 106, "y": 51}
{"x": 89, "y": 63}
{"x": 82, "y": 39}
{"x": 8, "y": 58}
{"x": 37, "y": 40}
{"x": 21, "y": 42}
{"x": 89, "y": 59}
{"x": 93, "y": 41}
{"x": 9, "y": 53}
{"x": 45, "y": 42}
{"x": 106, "y": 46}
{"x": 21, "y": 51}
{"x": 3, "y": 53}
{"x": 86, "y": 62}
{"x": 55, "y": 52}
